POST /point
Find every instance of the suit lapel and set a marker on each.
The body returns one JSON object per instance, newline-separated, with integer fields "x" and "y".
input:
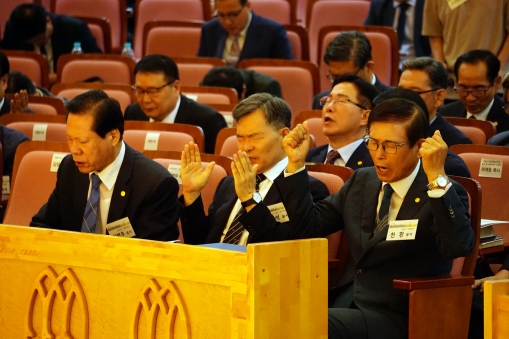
{"x": 357, "y": 159}
{"x": 222, "y": 42}
{"x": 122, "y": 191}
{"x": 182, "y": 116}
{"x": 369, "y": 215}
{"x": 82, "y": 184}
{"x": 415, "y": 199}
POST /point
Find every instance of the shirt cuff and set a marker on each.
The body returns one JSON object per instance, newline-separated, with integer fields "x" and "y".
{"x": 439, "y": 193}
{"x": 297, "y": 171}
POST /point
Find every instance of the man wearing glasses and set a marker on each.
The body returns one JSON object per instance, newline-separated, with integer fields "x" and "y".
{"x": 428, "y": 77}
{"x": 349, "y": 53}
{"x": 477, "y": 85}
{"x": 237, "y": 33}
{"x": 406, "y": 188}
{"x": 157, "y": 89}
{"x": 345, "y": 115}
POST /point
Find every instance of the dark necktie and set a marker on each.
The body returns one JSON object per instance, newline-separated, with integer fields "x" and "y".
{"x": 90, "y": 217}
{"x": 236, "y": 229}
{"x": 402, "y": 22}
{"x": 383, "y": 212}
{"x": 332, "y": 156}
{"x": 473, "y": 117}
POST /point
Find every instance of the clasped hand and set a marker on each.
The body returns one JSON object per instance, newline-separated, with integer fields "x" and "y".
{"x": 296, "y": 145}
{"x": 433, "y": 152}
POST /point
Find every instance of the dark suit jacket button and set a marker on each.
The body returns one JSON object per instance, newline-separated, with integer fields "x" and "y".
{"x": 359, "y": 271}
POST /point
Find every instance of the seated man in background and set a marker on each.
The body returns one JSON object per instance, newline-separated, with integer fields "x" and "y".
{"x": 406, "y": 183}
{"x": 104, "y": 181}
{"x": 244, "y": 207}
{"x": 453, "y": 165}
{"x": 19, "y": 82}
{"x": 237, "y": 33}
{"x": 345, "y": 116}
{"x": 246, "y": 82}
{"x": 349, "y": 53}
{"x": 31, "y": 28}
{"x": 428, "y": 77}
{"x": 477, "y": 83}
{"x": 19, "y": 104}
{"x": 157, "y": 89}
{"x": 502, "y": 139}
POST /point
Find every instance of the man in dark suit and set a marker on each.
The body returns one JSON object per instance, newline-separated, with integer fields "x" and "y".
{"x": 5, "y": 105}
{"x": 31, "y": 28}
{"x": 407, "y": 184}
{"x": 387, "y": 13}
{"x": 157, "y": 89}
{"x": 250, "y": 206}
{"x": 345, "y": 116}
{"x": 349, "y": 53}
{"x": 237, "y": 33}
{"x": 428, "y": 77}
{"x": 104, "y": 182}
{"x": 477, "y": 85}
{"x": 246, "y": 82}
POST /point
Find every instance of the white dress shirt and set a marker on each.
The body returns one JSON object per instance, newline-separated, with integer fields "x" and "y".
{"x": 345, "y": 152}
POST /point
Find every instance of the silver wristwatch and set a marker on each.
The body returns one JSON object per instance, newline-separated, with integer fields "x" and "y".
{"x": 254, "y": 200}
{"x": 441, "y": 182}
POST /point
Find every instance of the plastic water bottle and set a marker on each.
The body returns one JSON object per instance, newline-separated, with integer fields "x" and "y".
{"x": 128, "y": 50}
{"x": 77, "y": 48}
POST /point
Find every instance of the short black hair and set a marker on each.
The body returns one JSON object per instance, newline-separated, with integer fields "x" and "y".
{"x": 435, "y": 70}
{"x": 402, "y": 106}
{"x": 476, "y": 56}
{"x": 277, "y": 111}
{"x": 105, "y": 110}
{"x": 242, "y": 2}
{"x": 225, "y": 76}
{"x": 158, "y": 63}
{"x": 349, "y": 45}
{"x": 28, "y": 20}
{"x": 18, "y": 81}
{"x": 4, "y": 64}
{"x": 366, "y": 92}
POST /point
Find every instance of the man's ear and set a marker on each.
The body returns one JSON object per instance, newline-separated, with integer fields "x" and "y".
{"x": 176, "y": 84}
{"x": 284, "y": 131}
{"x": 365, "y": 117}
{"x": 115, "y": 136}
{"x": 441, "y": 93}
{"x": 370, "y": 65}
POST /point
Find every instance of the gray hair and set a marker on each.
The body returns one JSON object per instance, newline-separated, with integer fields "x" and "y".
{"x": 277, "y": 111}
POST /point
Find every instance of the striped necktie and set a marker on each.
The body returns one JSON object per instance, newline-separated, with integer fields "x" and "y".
{"x": 90, "y": 217}
{"x": 233, "y": 57}
{"x": 383, "y": 212}
{"x": 236, "y": 229}
{"x": 332, "y": 156}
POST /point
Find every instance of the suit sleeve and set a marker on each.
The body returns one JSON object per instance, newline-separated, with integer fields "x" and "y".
{"x": 49, "y": 216}
{"x": 88, "y": 43}
{"x": 262, "y": 226}
{"x": 196, "y": 226}
{"x": 373, "y": 18}
{"x": 455, "y": 237}
{"x": 159, "y": 213}
{"x": 202, "y": 50}
{"x": 281, "y": 48}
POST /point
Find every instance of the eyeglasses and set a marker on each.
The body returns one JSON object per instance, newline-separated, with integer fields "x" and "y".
{"x": 333, "y": 77}
{"x": 427, "y": 91}
{"x": 231, "y": 15}
{"x": 150, "y": 91}
{"x": 389, "y": 147}
{"x": 340, "y": 99}
{"x": 478, "y": 92}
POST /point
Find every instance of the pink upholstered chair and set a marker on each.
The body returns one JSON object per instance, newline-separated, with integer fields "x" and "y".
{"x": 101, "y": 30}
{"x": 211, "y": 95}
{"x": 142, "y": 140}
{"x": 113, "y": 10}
{"x": 172, "y": 38}
{"x": 111, "y": 68}
{"x": 193, "y": 70}
{"x": 328, "y": 13}
{"x": 154, "y": 10}
{"x": 41, "y": 131}
{"x": 299, "y": 39}
{"x": 31, "y": 64}
{"x": 298, "y": 79}
{"x": 484, "y": 126}
{"x": 277, "y": 10}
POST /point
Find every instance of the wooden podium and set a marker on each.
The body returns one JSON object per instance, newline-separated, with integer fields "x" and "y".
{"x": 57, "y": 284}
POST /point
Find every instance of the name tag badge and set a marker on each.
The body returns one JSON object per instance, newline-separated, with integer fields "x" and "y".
{"x": 174, "y": 170}
{"x": 279, "y": 213}
{"x": 39, "y": 132}
{"x": 121, "y": 228}
{"x": 56, "y": 160}
{"x": 455, "y": 3}
{"x": 151, "y": 141}
{"x": 6, "y": 185}
{"x": 402, "y": 230}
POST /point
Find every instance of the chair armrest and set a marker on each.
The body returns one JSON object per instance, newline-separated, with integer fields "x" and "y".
{"x": 433, "y": 282}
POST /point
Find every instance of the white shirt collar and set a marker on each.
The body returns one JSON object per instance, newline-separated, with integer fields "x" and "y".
{"x": 402, "y": 186}
{"x": 244, "y": 30}
{"x": 2, "y": 103}
{"x": 109, "y": 175}
{"x": 410, "y": 2}
{"x": 346, "y": 151}
{"x": 373, "y": 79}
{"x": 170, "y": 118}
{"x": 276, "y": 170}
{"x": 483, "y": 115}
